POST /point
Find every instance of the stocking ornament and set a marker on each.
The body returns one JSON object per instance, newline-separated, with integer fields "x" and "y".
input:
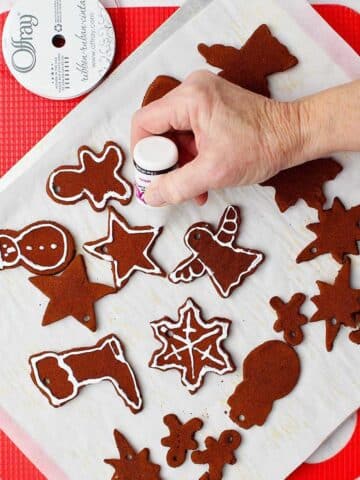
{"x": 60, "y": 376}
{"x": 43, "y": 248}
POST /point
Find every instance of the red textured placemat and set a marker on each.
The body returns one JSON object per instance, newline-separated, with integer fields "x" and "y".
{"x": 25, "y": 119}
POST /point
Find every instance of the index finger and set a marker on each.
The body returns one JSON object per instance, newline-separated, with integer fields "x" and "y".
{"x": 160, "y": 116}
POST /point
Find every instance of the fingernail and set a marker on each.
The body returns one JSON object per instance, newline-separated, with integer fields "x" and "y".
{"x": 153, "y": 197}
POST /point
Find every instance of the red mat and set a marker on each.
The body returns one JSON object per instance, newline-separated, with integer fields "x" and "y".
{"x": 25, "y": 119}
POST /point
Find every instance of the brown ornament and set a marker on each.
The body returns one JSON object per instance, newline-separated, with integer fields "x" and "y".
{"x": 181, "y": 439}
{"x": 162, "y": 85}
{"x": 192, "y": 346}
{"x": 216, "y": 254}
{"x": 126, "y": 248}
{"x": 249, "y": 66}
{"x": 271, "y": 371}
{"x": 43, "y": 248}
{"x": 337, "y": 232}
{"x": 290, "y": 320}
{"x": 218, "y": 453}
{"x": 355, "y": 337}
{"x": 303, "y": 182}
{"x": 97, "y": 178}
{"x": 61, "y": 376}
{"x": 132, "y": 465}
{"x": 71, "y": 294}
{"x": 337, "y": 304}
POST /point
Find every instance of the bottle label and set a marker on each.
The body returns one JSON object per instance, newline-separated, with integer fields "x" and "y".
{"x": 143, "y": 178}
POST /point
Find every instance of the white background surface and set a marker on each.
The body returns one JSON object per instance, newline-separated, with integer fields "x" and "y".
{"x": 79, "y": 436}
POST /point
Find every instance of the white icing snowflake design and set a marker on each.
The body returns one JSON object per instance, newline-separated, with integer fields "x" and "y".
{"x": 192, "y": 346}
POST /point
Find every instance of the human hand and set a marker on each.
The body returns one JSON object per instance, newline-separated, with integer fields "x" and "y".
{"x": 238, "y": 137}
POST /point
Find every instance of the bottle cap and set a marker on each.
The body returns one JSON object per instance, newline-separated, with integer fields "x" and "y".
{"x": 156, "y": 154}
{"x": 58, "y": 49}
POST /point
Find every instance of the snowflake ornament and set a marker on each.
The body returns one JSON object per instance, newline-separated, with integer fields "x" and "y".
{"x": 192, "y": 346}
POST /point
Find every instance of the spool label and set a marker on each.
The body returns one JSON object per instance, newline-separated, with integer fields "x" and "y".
{"x": 58, "y": 49}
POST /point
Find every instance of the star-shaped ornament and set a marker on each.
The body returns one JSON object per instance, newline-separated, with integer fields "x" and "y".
{"x": 337, "y": 304}
{"x": 127, "y": 248}
{"x": 71, "y": 294}
{"x": 192, "y": 346}
{"x": 132, "y": 465}
{"x": 337, "y": 232}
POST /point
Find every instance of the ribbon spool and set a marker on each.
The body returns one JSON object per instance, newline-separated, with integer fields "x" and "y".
{"x": 58, "y": 49}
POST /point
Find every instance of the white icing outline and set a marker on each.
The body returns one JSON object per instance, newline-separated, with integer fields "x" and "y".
{"x": 176, "y": 276}
{"x": 4, "y": 263}
{"x": 114, "y": 217}
{"x": 167, "y": 324}
{"x": 60, "y": 358}
{"x": 24, "y": 259}
{"x": 84, "y": 191}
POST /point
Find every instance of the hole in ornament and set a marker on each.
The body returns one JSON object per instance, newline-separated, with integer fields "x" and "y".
{"x": 129, "y": 456}
{"x": 242, "y": 418}
{"x": 197, "y": 236}
{"x": 105, "y": 249}
{"x": 47, "y": 381}
{"x": 58, "y": 41}
{"x": 230, "y": 439}
{"x": 56, "y": 188}
{"x": 313, "y": 250}
{"x": 175, "y": 459}
{"x": 170, "y": 333}
{"x": 292, "y": 334}
{"x": 86, "y": 318}
{"x": 333, "y": 321}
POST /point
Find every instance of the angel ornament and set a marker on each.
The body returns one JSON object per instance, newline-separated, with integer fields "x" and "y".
{"x": 217, "y": 255}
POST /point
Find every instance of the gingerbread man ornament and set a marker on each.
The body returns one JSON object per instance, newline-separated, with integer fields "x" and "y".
{"x": 218, "y": 453}
{"x": 43, "y": 248}
{"x": 97, "y": 178}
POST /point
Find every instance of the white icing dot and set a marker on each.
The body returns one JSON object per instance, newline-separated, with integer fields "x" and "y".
{"x": 41, "y": 247}
{"x": 53, "y": 246}
{"x": 4, "y": 245}
{"x": 6, "y": 255}
{"x": 164, "y": 329}
{"x": 28, "y": 248}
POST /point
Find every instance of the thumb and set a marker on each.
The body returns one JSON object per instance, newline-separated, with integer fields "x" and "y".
{"x": 183, "y": 184}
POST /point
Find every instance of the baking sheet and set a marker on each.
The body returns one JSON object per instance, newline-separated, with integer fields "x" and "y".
{"x": 78, "y": 436}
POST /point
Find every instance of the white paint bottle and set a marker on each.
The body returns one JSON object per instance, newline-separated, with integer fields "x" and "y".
{"x": 153, "y": 156}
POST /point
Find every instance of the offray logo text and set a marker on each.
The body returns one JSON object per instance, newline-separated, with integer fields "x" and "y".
{"x": 23, "y": 58}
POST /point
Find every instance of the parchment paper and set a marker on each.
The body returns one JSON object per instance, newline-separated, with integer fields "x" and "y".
{"x": 78, "y": 436}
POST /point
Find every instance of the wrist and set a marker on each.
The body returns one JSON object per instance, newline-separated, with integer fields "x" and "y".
{"x": 330, "y": 121}
{"x": 288, "y": 134}
{"x": 316, "y": 126}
